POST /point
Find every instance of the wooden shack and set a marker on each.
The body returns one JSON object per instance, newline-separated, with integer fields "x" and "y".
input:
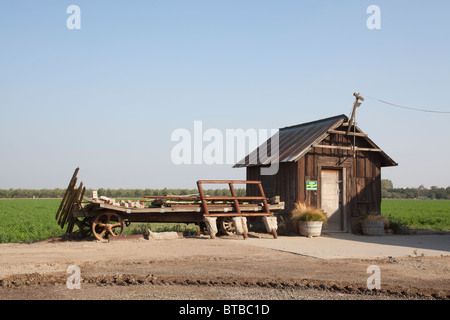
{"x": 328, "y": 165}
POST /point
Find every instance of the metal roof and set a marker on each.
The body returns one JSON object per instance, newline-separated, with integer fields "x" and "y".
{"x": 296, "y": 141}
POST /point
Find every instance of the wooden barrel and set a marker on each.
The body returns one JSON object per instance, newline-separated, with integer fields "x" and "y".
{"x": 372, "y": 228}
{"x": 310, "y": 228}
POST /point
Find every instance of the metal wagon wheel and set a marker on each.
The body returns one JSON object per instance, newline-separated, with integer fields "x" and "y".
{"x": 226, "y": 226}
{"x": 107, "y": 224}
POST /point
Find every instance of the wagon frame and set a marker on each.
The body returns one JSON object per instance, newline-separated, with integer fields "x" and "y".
{"x": 229, "y": 213}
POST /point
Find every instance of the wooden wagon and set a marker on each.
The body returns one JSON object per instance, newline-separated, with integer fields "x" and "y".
{"x": 103, "y": 218}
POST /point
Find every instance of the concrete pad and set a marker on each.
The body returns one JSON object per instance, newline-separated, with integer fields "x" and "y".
{"x": 346, "y": 245}
{"x": 172, "y": 235}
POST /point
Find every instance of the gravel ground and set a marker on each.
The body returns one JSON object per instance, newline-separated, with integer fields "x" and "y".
{"x": 199, "y": 268}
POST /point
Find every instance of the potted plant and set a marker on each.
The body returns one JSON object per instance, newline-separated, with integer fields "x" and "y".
{"x": 373, "y": 224}
{"x": 308, "y": 219}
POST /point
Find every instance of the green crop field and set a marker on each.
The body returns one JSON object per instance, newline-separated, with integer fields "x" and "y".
{"x": 28, "y": 219}
{"x": 418, "y": 214}
{"x": 25, "y": 220}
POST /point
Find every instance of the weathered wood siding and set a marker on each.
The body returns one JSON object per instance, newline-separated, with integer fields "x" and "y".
{"x": 285, "y": 183}
{"x": 361, "y": 181}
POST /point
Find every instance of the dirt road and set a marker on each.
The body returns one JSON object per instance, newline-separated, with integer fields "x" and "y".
{"x": 201, "y": 268}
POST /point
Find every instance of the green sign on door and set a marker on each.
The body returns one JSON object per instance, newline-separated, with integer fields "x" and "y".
{"x": 311, "y": 185}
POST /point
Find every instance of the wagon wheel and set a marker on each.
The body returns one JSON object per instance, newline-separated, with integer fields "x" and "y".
{"x": 226, "y": 226}
{"x": 107, "y": 224}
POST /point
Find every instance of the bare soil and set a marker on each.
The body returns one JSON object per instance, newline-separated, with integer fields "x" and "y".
{"x": 202, "y": 268}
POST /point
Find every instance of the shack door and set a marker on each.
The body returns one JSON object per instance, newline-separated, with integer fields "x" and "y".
{"x": 331, "y": 199}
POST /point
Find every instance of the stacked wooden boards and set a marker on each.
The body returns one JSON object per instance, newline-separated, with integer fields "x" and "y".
{"x": 71, "y": 202}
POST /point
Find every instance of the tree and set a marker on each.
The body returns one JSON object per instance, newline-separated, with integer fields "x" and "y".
{"x": 421, "y": 191}
{"x": 386, "y": 184}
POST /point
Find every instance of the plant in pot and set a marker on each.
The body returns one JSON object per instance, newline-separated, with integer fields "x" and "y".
{"x": 373, "y": 224}
{"x": 308, "y": 219}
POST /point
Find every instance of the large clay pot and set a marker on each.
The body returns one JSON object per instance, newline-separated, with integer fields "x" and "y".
{"x": 310, "y": 228}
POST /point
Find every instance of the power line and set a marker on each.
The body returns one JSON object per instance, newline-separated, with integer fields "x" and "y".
{"x": 409, "y": 108}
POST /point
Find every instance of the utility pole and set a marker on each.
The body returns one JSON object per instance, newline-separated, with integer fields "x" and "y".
{"x": 356, "y": 104}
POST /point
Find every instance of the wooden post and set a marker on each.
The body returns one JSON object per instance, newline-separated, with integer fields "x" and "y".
{"x": 234, "y": 195}
{"x": 202, "y": 197}
{"x": 356, "y": 104}
{"x": 261, "y": 191}
{"x": 72, "y": 183}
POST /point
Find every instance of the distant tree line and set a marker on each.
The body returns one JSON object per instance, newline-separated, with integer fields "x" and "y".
{"x": 113, "y": 193}
{"x": 389, "y": 192}
{"x": 30, "y": 193}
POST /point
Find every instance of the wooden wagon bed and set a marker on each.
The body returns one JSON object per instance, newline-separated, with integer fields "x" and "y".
{"x": 91, "y": 209}
{"x": 103, "y": 219}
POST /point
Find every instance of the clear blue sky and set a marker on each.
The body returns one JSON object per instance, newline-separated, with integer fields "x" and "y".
{"x": 107, "y": 97}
